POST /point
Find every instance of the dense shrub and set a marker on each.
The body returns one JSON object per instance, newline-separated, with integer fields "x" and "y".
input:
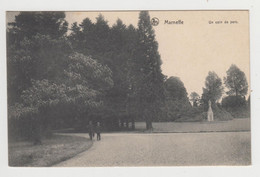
{"x": 237, "y": 106}
{"x": 177, "y": 104}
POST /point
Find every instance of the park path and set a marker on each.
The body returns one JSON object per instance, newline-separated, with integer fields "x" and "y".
{"x": 168, "y": 149}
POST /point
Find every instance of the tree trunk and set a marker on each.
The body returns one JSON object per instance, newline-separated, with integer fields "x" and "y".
{"x": 119, "y": 123}
{"x": 127, "y": 122}
{"x": 149, "y": 125}
{"x": 148, "y": 120}
{"x": 36, "y": 131}
{"x": 122, "y": 122}
{"x": 133, "y": 123}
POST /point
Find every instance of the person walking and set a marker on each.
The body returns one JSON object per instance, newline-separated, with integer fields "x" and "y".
{"x": 91, "y": 130}
{"x": 98, "y": 131}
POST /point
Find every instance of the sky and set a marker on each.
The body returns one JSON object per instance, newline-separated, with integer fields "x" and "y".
{"x": 192, "y": 49}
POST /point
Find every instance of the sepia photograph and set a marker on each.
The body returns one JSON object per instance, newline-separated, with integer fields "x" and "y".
{"x": 141, "y": 88}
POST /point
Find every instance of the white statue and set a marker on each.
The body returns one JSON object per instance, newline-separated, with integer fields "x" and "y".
{"x": 210, "y": 113}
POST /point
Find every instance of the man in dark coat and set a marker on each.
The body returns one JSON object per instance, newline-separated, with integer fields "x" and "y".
{"x": 98, "y": 131}
{"x": 91, "y": 130}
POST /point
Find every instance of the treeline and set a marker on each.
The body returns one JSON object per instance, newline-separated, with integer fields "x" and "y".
{"x": 228, "y": 99}
{"x": 64, "y": 77}
{"x": 60, "y": 77}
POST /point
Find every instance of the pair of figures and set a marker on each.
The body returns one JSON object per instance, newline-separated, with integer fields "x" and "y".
{"x": 93, "y": 129}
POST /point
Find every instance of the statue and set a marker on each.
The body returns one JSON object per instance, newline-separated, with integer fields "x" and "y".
{"x": 210, "y": 113}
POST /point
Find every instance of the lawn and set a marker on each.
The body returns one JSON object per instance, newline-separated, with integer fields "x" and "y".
{"x": 61, "y": 147}
{"x": 53, "y": 150}
{"x": 194, "y": 127}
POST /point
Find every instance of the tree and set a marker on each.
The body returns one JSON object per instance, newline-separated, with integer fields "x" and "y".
{"x": 118, "y": 64}
{"x": 237, "y": 106}
{"x": 118, "y": 32}
{"x": 233, "y": 102}
{"x": 194, "y": 98}
{"x": 132, "y": 101}
{"x": 28, "y": 24}
{"x": 102, "y": 38}
{"x": 40, "y": 57}
{"x": 236, "y": 81}
{"x": 83, "y": 37}
{"x": 177, "y": 103}
{"x": 213, "y": 89}
{"x": 76, "y": 37}
{"x": 148, "y": 66}
{"x": 86, "y": 80}
{"x": 110, "y": 46}
{"x": 36, "y": 49}
{"x": 44, "y": 73}
{"x": 175, "y": 88}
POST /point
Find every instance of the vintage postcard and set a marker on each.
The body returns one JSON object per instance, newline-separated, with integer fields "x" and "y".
{"x": 128, "y": 88}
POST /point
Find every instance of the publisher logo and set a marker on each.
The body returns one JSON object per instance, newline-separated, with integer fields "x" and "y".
{"x": 154, "y": 21}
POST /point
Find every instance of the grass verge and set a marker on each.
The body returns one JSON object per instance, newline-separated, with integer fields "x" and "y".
{"x": 52, "y": 151}
{"x": 235, "y": 125}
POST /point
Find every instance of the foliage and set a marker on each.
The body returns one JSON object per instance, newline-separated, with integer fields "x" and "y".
{"x": 177, "y": 103}
{"x": 97, "y": 72}
{"x": 18, "y": 110}
{"x": 237, "y": 84}
{"x": 213, "y": 89}
{"x": 194, "y": 98}
{"x": 236, "y": 81}
{"x": 149, "y": 86}
{"x": 219, "y": 113}
{"x": 28, "y": 24}
{"x": 79, "y": 90}
{"x": 175, "y": 88}
{"x": 45, "y": 75}
{"x": 237, "y": 106}
{"x": 233, "y": 101}
{"x": 85, "y": 71}
{"x": 132, "y": 55}
{"x": 113, "y": 47}
{"x": 36, "y": 49}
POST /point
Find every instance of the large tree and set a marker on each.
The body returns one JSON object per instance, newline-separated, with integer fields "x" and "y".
{"x": 237, "y": 85}
{"x": 213, "y": 91}
{"x": 175, "y": 88}
{"x": 236, "y": 82}
{"x": 45, "y": 73}
{"x": 114, "y": 47}
{"x": 148, "y": 66}
{"x": 177, "y": 103}
{"x": 132, "y": 101}
{"x": 86, "y": 79}
{"x": 36, "y": 49}
{"x": 213, "y": 88}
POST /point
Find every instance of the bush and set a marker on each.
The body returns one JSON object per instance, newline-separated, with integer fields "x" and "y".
{"x": 236, "y": 106}
{"x": 233, "y": 102}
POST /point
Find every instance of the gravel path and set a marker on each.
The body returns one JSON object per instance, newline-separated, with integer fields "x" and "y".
{"x": 169, "y": 149}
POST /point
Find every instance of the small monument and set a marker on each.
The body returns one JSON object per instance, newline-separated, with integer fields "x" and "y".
{"x": 210, "y": 113}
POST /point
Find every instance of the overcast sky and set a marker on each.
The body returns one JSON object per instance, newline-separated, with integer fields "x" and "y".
{"x": 192, "y": 49}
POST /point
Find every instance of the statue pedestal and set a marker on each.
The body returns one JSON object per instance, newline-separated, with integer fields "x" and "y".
{"x": 210, "y": 116}
{"x": 210, "y": 113}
